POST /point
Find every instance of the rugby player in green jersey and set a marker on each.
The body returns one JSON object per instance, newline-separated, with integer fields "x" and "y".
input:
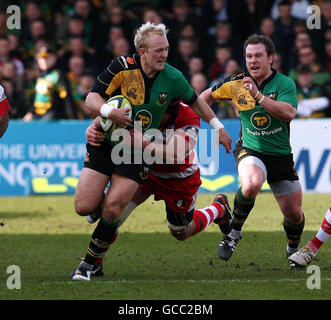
{"x": 267, "y": 102}
{"x": 151, "y": 85}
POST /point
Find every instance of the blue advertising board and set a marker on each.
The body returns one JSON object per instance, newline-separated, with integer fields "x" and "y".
{"x": 41, "y": 157}
{"x": 46, "y": 157}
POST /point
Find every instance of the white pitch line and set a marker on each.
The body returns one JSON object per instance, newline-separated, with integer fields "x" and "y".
{"x": 180, "y": 281}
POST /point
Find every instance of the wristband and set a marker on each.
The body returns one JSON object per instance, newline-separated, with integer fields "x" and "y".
{"x": 258, "y": 97}
{"x": 105, "y": 110}
{"x": 256, "y": 94}
{"x": 215, "y": 123}
{"x": 261, "y": 99}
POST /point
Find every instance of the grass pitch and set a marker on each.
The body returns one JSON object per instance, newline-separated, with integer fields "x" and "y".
{"x": 44, "y": 237}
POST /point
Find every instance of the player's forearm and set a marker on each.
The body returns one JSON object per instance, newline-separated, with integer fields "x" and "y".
{"x": 94, "y": 101}
{"x": 161, "y": 151}
{"x": 174, "y": 151}
{"x": 279, "y": 109}
{"x": 202, "y": 109}
{"x": 96, "y": 123}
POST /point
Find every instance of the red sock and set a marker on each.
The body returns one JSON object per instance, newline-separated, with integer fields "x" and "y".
{"x": 317, "y": 244}
{"x": 220, "y": 209}
{"x": 323, "y": 234}
{"x": 204, "y": 217}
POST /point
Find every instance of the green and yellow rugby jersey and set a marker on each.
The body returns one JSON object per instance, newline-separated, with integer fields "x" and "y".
{"x": 260, "y": 131}
{"x": 49, "y": 89}
{"x": 149, "y": 97}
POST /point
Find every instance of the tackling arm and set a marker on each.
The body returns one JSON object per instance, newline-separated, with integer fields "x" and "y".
{"x": 179, "y": 146}
{"x": 94, "y": 133}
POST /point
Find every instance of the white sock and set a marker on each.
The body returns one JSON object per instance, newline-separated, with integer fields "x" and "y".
{"x": 291, "y": 250}
{"x": 235, "y": 234}
{"x": 86, "y": 265}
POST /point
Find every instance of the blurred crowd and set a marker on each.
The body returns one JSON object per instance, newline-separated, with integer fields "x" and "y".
{"x": 51, "y": 62}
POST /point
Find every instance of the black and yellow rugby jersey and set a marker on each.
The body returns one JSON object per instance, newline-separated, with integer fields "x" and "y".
{"x": 149, "y": 97}
{"x": 260, "y": 131}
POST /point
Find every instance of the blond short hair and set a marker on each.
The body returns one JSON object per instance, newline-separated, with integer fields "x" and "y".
{"x": 140, "y": 39}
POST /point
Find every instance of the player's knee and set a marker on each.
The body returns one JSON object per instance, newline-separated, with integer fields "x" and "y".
{"x": 181, "y": 233}
{"x": 84, "y": 208}
{"x": 112, "y": 210}
{"x": 294, "y": 215}
{"x": 181, "y": 236}
{"x": 251, "y": 189}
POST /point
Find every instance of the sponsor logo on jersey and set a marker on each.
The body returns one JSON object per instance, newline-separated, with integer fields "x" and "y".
{"x": 162, "y": 98}
{"x": 271, "y": 95}
{"x": 87, "y": 157}
{"x": 132, "y": 93}
{"x": 260, "y": 121}
{"x": 242, "y": 99}
{"x": 145, "y": 118}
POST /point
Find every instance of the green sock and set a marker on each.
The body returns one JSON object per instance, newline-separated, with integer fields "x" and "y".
{"x": 101, "y": 239}
{"x": 241, "y": 209}
{"x": 293, "y": 232}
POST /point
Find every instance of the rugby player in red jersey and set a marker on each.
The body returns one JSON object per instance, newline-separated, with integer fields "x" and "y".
{"x": 176, "y": 184}
{"x": 4, "y": 109}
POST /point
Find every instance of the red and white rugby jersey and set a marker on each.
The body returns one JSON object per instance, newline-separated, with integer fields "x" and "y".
{"x": 4, "y": 104}
{"x": 186, "y": 121}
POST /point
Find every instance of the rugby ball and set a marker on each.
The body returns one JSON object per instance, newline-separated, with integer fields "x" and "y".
{"x": 117, "y": 102}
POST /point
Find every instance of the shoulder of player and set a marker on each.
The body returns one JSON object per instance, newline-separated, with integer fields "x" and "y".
{"x": 122, "y": 63}
{"x": 52, "y": 76}
{"x": 282, "y": 77}
{"x": 171, "y": 72}
{"x": 283, "y": 81}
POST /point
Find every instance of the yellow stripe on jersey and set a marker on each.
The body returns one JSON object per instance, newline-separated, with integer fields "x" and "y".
{"x": 132, "y": 86}
{"x": 114, "y": 84}
{"x": 234, "y": 90}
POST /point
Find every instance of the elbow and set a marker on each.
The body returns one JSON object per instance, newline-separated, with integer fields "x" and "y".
{"x": 88, "y": 99}
{"x": 207, "y": 97}
{"x": 292, "y": 114}
{"x": 287, "y": 114}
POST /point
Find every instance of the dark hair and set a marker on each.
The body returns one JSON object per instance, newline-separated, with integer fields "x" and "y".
{"x": 304, "y": 68}
{"x": 284, "y": 3}
{"x": 266, "y": 41}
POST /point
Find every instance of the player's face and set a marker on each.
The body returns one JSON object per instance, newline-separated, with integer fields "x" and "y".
{"x": 257, "y": 61}
{"x": 156, "y": 54}
{"x": 42, "y": 63}
{"x": 305, "y": 79}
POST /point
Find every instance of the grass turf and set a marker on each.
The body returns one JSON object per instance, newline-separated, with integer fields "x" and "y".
{"x": 44, "y": 237}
